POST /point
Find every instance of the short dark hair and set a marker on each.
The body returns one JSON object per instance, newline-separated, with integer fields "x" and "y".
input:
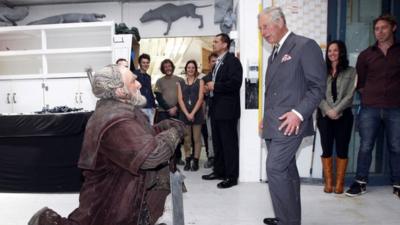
{"x": 143, "y": 56}
{"x": 343, "y": 63}
{"x": 165, "y": 61}
{"x": 386, "y": 17}
{"x": 195, "y": 66}
{"x": 225, "y": 38}
{"x": 213, "y": 54}
{"x": 121, "y": 60}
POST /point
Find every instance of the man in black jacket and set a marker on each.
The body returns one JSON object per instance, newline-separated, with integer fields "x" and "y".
{"x": 224, "y": 85}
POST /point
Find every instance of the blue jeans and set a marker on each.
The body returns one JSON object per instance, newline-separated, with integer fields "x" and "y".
{"x": 370, "y": 120}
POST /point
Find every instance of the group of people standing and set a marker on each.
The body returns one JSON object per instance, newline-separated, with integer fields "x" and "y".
{"x": 376, "y": 78}
{"x": 212, "y": 101}
{"x": 207, "y": 104}
{"x": 126, "y": 159}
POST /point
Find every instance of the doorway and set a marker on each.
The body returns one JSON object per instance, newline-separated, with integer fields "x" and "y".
{"x": 179, "y": 50}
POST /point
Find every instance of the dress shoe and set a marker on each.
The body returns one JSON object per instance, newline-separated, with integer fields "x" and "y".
{"x": 211, "y": 176}
{"x": 271, "y": 221}
{"x": 227, "y": 183}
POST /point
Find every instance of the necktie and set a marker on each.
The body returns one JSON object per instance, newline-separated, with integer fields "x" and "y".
{"x": 275, "y": 51}
{"x": 214, "y": 73}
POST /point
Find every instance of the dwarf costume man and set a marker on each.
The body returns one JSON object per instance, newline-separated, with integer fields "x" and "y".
{"x": 125, "y": 160}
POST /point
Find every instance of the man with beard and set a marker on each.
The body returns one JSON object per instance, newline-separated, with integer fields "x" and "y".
{"x": 167, "y": 98}
{"x": 124, "y": 160}
{"x": 378, "y": 69}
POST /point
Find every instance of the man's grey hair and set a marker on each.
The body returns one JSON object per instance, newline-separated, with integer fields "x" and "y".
{"x": 275, "y": 12}
{"x": 106, "y": 81}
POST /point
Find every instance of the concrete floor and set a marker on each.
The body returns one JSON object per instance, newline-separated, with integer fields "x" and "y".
{"x": 245, "y": 204}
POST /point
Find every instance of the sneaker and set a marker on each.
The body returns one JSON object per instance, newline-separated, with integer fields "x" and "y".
{"x": 357, "y": 188}
{"x": 396, "y": 190}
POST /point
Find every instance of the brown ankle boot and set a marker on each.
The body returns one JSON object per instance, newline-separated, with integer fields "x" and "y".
{"x": 328, "y": 177}
{"x": 341, "y": 165}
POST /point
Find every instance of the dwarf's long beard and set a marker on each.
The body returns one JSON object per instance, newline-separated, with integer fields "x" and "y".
{"x": 138, "y": 100}
{"x": 135, "y": 99}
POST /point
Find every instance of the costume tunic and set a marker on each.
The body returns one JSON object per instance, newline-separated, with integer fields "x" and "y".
{"x": 124, "y": 162}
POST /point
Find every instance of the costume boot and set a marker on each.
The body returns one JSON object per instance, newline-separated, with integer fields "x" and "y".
{"x": 195, "y": 164}
{"x": 341, "y": 165}
{"x": 45, "y": 216}
{"x": 328, "y": 178}
{"x": 187, "y": 164}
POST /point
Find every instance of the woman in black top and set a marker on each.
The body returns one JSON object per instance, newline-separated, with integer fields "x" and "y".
{"x": 190, "y": 99}
{"x": 335, "y": 118}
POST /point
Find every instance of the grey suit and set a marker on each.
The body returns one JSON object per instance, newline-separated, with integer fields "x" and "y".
{"x": 296, "y": 79}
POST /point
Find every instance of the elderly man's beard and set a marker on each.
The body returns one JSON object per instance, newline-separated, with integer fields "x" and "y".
{"x": 136, "y": 99}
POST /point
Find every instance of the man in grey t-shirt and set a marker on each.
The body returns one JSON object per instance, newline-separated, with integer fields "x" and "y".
{"x": 167, "y": 98}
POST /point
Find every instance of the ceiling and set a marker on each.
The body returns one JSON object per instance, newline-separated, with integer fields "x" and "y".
{"x": 48, "y": 2}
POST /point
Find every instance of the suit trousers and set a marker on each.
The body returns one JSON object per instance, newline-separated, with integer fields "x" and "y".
{"x": 283, "y": 179}
{"x": 226, "y": 147}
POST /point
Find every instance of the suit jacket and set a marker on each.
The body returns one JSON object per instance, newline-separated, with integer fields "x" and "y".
{"x": 225, "y": 104}
{"x": 296, "y": 79}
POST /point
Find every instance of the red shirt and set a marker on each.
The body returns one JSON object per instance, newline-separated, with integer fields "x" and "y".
{"x": 379, "y": 76}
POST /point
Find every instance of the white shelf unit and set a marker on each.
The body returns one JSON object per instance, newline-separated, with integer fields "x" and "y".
{"x": 56, "y": 49}
{"x": 41, "y": 53}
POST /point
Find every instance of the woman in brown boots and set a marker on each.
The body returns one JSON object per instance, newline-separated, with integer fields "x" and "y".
{"x": 335, "y": 118}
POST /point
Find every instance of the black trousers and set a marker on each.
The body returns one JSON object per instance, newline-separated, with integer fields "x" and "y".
{"x": 226, "y": 147}
{"x": 335, "y": 131}
{"x": 162, "y": 115}
{"x": 204, "y": 133}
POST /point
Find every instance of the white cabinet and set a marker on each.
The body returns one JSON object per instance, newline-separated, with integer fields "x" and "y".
{"x": 86, "y": 98}
{"x": 71, "y": 92}
{"x": 6, "y": 102}
{"x": 50, "y": 54}
{"x": 21, "y": 96}
{"x": 60, "y": 92}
